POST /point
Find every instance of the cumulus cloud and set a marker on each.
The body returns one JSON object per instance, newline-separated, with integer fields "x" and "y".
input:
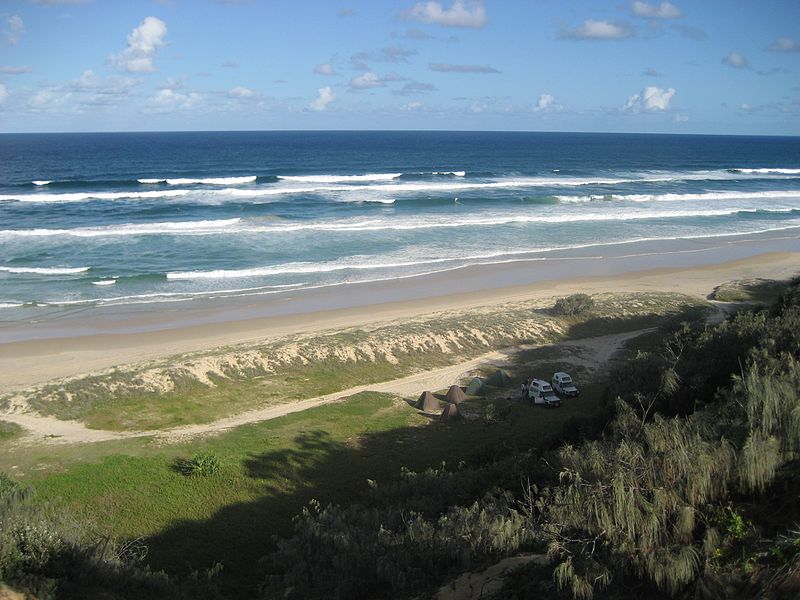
{"x": 7, "y": 70}
{"x": 784, "y": 44}
{"x": 324, "y": 97}
{"x": 450, "y": 68}
{"x": 598, "y": 30}
{"x": 366, "y": 81}
{"x": 412, "y": 106}
{"x": 462, "y": 13}
{"x": 169, "y": 100}
{"x": 735, "y": 60}
{"x": 325, "y": 69}
{"x": 89, "y": 83}
{"x": 241, "y": 92}
{"x": 14, "y": 28}
{"x": 143, "y": 42}
{"x": 546, "y": 103}
{"x": 478, "y": 107}
{"x": 650, "y": 99}
{"x": 664, "y": 10}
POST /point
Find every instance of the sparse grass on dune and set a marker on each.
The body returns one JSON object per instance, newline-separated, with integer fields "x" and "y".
{"x": 751, "y": 291}
{"x": 201, "y": 388}
{"x": 9, "y": 431}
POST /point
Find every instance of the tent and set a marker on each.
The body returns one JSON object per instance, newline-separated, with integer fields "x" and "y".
{"x": 455, "y": 395}
{"x": 450, "y": 412}
{"x": 427, "y": 402}
{"x": 499, "y": 379}
{"x": 475, "y": 387}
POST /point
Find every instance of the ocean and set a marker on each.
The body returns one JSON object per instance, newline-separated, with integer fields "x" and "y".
{"x": 136, "y": 218}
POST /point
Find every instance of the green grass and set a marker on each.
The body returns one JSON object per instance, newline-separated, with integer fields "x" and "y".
{"x": 267, "y": 472}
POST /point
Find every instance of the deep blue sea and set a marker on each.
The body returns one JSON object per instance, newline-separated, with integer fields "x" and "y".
{"x": 94, "y": 219}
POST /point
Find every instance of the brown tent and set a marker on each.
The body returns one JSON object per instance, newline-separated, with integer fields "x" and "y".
{"x": 427, "y": 402}
{"x": 450, "y": 412}
{"x": 455, "y": 395}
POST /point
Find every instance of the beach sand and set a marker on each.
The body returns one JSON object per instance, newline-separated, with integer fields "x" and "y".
{"x": 78, "y": 343}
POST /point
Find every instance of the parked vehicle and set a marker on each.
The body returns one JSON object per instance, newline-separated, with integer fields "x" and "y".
{"x": 541, "y": 392}
{"x": 563, "y": 385}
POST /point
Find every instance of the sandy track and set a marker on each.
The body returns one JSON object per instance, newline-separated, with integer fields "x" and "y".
{"x": 594, "y": 354}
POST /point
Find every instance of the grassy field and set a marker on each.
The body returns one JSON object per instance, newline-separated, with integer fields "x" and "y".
{"x": 268, "y": 471}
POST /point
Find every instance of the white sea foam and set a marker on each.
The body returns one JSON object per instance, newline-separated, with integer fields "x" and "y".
{"x": 149, "y": 181}
{"x": 212, "y": 180}
{"x": 768, "y": 170}
{"x": 105, "y": 282}
{"x": 685, "y": 197}
{"x": 82, "y": 196}
{"x": 340, "y": 178}
{"x": 10, "y": 304}
{"x": 42, "y": 182}
{"x": 168, "y": 227}
{"x": 45, "y": 270}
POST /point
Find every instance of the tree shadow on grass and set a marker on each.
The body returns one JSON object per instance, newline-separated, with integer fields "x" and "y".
{"x": 329, "y": 470}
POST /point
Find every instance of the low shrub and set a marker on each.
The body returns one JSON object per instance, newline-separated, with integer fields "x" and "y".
{"x": 201, "y": 464}
{"x": 575, "y": 304}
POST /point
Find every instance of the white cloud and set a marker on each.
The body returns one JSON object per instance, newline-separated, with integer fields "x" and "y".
{"x": 448, "y": 68}
{"x": 462, "y": 13}
{"x": 325, "y": 69}
{"x": 13, "y": 30}
{"x": 90, "y": 83}
{"x": 6, "y": 70}
{"x": 169, "y": 100}
{"x": 680, "y": 118}
{"x": 143, "y": 42}
{"x": 49, "y": 100}
{"x": 650, "y": 99}
{"x": 545, "y": 102}
{"x": 478, "y": 107}
{"x": 3, "y": 93}
{"x": 735, "y": 60}
{"x": 366, "y": 81}
{"x": 599, "y": 30}
{"x": 665, "y": 10}
{"x": 324, "y": 97}
{"x": 785, "y": 44}
{"x": 746, "y": 106}
{"x": 412, "y": 106}
{"x": 241, "y": 92}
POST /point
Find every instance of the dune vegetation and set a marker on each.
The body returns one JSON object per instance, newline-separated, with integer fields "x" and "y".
{"x": 673, "y": 475}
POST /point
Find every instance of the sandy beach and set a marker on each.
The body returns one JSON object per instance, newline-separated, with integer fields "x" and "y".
{"x": 72, "y": 344}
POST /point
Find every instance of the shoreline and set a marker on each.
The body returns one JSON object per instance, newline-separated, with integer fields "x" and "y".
{"x": 89, "y": 341}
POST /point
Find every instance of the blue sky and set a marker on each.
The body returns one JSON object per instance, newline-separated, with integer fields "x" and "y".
{"x": 705, "y": 66}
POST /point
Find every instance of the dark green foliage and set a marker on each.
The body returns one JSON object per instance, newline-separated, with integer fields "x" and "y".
{"x": 573, "y": 305}
{"x": 201, "y": 464}
{"x": 650, "y": 501}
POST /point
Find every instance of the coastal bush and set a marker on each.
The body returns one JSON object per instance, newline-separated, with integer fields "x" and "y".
{"x": 649, "y": 503}
{"x": 575, "y": 304}
{"x": 201, "y": 464}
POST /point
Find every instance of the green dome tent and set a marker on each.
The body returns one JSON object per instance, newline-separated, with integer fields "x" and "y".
{"x": 499, "y": 379}
{"x": 475, "y": 387}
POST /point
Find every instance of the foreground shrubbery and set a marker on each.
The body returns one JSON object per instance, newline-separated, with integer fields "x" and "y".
{"x": 46, "y": 554}
{"x": 703, "y": 431}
